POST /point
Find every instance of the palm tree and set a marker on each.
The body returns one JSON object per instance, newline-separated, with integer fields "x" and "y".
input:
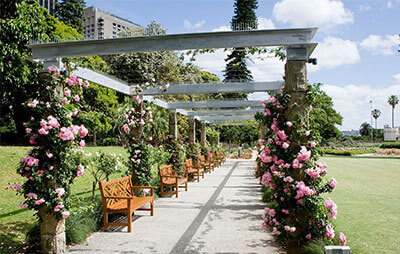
{"x": 393, "y": 100}
{"x": 364, "y": 129}
{"x": 376, "y": 113}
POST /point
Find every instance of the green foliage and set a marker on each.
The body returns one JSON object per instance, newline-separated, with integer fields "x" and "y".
{"x": 345, "y": 152}
{"x": 59, "y": 31}
{"x": 24, "y": 20}
{"x": 390, "y": 145}
{"x": 239, "y": 134}
{"x": 71, "y": 12}
{"x": 323, "y": 117}
{"x": 245, "y": 17}
{"x": 86, "y": 217}
{"x": 176, "y": 150}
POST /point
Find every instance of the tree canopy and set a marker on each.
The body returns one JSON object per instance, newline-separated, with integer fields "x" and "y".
{"x": 71, "y": 12}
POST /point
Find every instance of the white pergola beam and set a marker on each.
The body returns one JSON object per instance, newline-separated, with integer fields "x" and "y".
{"x": 213, "y": 104}
{"x": 223, "y": 118}
{"x": 224, "y": 112}
{"x": 229, "y": 87}
{"x": 103, "y": 80}
{"x": 227, "y": 39}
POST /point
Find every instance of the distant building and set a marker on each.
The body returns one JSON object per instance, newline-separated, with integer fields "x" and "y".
{"x": 391, "y": 134}
{"x": 49, "y": 5}
{"x": 101, "y": 24}
{"x": 350, "y": 133}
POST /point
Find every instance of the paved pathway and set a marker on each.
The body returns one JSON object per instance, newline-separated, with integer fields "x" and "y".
{"x": 221, "y": 214}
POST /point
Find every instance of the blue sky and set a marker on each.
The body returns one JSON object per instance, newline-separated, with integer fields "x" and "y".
{"x": 357, "y": 52}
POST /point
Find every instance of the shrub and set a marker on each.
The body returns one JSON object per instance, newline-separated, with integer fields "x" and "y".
{"x": 390, "y": 145}
{"x": 351, "y": 152}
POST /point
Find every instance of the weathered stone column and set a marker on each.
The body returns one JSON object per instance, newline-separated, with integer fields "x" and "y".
{"x": 173, "y": 124}
{"x": 192, "y": 129}
{"x": 203, "y": 134}
{"x": 298, "y": 111}
{"x": 52, "y": 232}
{"x": 263, "y": 130}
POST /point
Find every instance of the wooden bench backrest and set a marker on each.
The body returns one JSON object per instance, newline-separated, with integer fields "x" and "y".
{"x": 121, "y": 187}
{"x": 166, "y": 171}
{"x": 188, "y": 164}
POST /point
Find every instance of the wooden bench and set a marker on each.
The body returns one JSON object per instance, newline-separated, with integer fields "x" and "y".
{"x": 194, "y": 169}
{"x": 118, "y": 197}
{"x": 207, "y": 164}
{"x": 169, "y": 178}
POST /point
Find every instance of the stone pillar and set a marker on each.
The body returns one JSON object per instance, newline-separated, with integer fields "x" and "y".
{"x": 192, "y": 129}
{"x": 263, "y": 130}
{"x": 298, "y": 108}
{"x": 173, "y": 124}
{"x": 52, "y": 232}
{"x": 203, "y": 134}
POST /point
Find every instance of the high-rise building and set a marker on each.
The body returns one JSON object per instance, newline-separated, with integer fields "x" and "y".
{"x": 101, "y": 24}
{"x": 49, "y": 5}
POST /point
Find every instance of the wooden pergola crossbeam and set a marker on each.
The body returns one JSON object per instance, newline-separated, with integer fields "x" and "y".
{"x": 221, "y": 112}
{"x": 224, "y": 118}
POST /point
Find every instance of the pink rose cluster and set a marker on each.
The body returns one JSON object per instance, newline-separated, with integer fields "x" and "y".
{"x": 48, "y": 125}
{"x": 303, "y": 190}
{"x": 73, "y": 130}
{"x": 331, "y": 207}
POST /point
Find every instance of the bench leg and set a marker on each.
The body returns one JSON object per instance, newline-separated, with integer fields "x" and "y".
{"x": 105, "y": 221}
{"x": 152, "y": 208}
{"x": 129, "y": 222}
{"x": 176, "y": 188}
{"x": 198, "y": 176}
{"x": 186, "y": 184}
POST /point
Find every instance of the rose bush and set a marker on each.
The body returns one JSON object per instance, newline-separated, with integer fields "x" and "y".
{"x": 54, "y": 162}
{"x": 294, "y": 179}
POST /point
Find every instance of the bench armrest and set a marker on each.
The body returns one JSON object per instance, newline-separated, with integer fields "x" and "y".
{"x": 144, "y": 187}
{"x": 119, "y": 197}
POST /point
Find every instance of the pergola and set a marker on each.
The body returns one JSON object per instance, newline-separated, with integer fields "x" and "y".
{"x": 298, "y": 44}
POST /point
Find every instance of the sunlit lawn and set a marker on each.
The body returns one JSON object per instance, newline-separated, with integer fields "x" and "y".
{"x": 367, "y": 194}
{"x": 368, "y": 199}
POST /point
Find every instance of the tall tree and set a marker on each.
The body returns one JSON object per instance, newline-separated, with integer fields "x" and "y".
{"x": 244, "y": 19}
{"x": 323, "y": 117}
{"x": 393, "y": 100}
{"x": 376, "y": 113}
{"x": 364, "y": 129}
{"x": 71, "y": 12}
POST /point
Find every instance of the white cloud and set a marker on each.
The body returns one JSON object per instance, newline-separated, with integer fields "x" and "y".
{"x": 334, "y": 52}
{"x": 188, "y": 26}
{"x": 264, "y": 23}
{"x": 222, "y": 28}
{"x": 364, "y": 7}
{"x": 397, "y": 77}
{"x": 389, "y": 4}
{"x": 381, "y": 45}
{"x": 352, "y": 102}
{"x": 305, "y": 13}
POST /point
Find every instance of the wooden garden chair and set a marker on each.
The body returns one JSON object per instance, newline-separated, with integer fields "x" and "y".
{"x": 169, "y": 178}
{"x": 192, "y": 169}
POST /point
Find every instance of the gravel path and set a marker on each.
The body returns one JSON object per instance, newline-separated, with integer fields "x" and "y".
{"x": 221, "y": 214}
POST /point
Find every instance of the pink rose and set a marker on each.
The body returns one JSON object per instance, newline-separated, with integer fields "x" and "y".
{"x": 289, "y": 124}
{"x": 40, "y": 201}
{"x": 31, "y": 195}
{"x": 60, "y": 192}
{"x": 67, "y": 92}
{"x": 82, "y": 144}
{"x": 285, "y": 145}
{"x": 313, "y": 144}
{"x": 272, "y": 212}
{"x": 33, "y": 103}
{"x": 23, "y": 206}
{"x": 66, "y": 134}
{"x": 28, "y": 130}
{"x": 52, "y": 121}
{"x": 330, "y": 232}
{"x": 342, "y": 239}
{"x": 76, "y": 98}
{"x": 32, "y": 139}
{"x": 308, "y": 236}
{"x": 65, "y": 214}
{"x": 82, "y": 131}
{"x": 57, "y": 208}
{"x": 332, "y": 183}
{"x": 49, "y": 155}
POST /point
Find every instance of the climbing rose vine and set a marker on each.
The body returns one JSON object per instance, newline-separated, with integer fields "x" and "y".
{"x": 175, "y": 148}
{"x": 53, "y": 164}
{"x": 294, "y": 179}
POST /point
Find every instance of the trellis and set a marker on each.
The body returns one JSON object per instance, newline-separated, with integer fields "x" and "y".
{"x": 298, "y": 44}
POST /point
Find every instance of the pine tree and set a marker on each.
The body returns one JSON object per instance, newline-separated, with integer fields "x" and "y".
{"x": 71, "y": 12}
{"x": 244, "y": 19}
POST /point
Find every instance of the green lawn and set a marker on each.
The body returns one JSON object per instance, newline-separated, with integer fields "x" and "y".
{"x": 367, "y": 194}
{"x": 368, "y": 199}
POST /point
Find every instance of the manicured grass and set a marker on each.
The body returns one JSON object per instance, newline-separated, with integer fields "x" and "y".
{"x": 15, "y": 222}
{"x": 368, "y": 199}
